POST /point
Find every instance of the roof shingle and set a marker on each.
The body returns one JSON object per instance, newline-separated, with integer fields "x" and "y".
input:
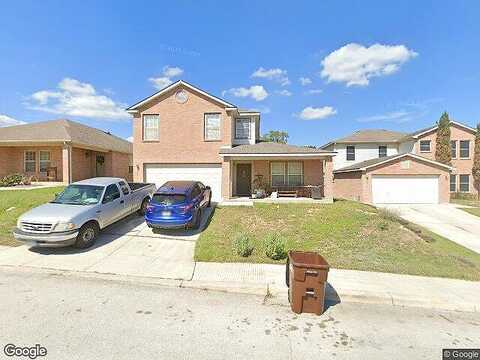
{"x": 271, "y": 148}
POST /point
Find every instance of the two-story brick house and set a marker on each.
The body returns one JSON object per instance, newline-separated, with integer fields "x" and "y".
{"x": 184, "y": 133}
{"x": 368, "y": 166}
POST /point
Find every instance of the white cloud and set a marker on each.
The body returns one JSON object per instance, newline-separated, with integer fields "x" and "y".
{"x": 256, "y": 92}
{"x": 305, "y": 81}
{"x": 276, "y": 74}
{"x": 160, "y": 82}
{"x": 262, "y": 110}
{"x": 168, "y": 72}
{"x": 395, "y": 116}
{"x": 130, "y": 138}
{"x": 284, "y": 92}
{"x": 312, "y": 113}
{"x": 8, "y": 121}
{"x": 355, "y": 64}
{"x": 75, "y": 98}
{"x": 314, "y": 91}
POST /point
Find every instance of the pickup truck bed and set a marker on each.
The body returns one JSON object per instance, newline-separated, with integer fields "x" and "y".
{"x": 137, "y": 186}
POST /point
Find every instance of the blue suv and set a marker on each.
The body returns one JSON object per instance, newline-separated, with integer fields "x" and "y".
{"x": 178, "y": 204}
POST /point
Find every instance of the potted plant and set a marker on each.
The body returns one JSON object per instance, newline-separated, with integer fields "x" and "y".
{"x": 260, "y": 187}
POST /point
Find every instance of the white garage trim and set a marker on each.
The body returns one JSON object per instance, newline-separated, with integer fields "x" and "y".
{"x": 208, "y": 174}
{"x": 405, "y": 189}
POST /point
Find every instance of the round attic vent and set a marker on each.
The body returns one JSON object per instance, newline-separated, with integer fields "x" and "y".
{"x": 181, "y": 96}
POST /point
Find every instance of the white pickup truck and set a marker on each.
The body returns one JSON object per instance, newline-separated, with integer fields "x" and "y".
{"x": 76, "y": 216}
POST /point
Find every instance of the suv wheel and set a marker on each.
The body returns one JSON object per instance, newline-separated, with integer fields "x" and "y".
{"x": 87, "y": 235}
{"x": 143, "y": 207}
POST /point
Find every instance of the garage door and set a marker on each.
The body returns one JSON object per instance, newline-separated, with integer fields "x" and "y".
{"x": 405, "y": 189}
{"x": 208, "y": 174}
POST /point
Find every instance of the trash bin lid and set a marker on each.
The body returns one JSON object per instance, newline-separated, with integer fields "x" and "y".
{"x": 308, "y": 259}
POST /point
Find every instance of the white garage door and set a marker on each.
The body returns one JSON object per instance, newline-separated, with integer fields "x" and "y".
{"x": 208, "y": 174}
{"x": 405, "y": 189}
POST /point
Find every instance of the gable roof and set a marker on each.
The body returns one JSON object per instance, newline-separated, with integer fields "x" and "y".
{"x": 418, "y": 133}
{"x": 369, "y": 136}
{"x": 64, "y": 130}
{"x": 273, "y": 149}
{"x": 134, "y": 107}
{"x": 364, "y": 165}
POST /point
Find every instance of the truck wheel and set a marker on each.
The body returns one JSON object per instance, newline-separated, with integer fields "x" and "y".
{"x": 87, "y": 235}
{"x": 143, "y": 207}
{"x": 198, "y": 219}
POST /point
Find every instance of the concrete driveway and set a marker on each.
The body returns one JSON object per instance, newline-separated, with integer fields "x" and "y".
{"x": 127, "y": 247}
{"x": 445, "y": 220}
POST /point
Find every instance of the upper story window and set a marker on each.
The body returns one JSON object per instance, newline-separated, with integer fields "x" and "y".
{"x": 151, "y": 125}
{"x": 242, "y": 128}
{"x": 464, "y": 149}
{"x": 30, "y": 161}
{"x": 424, "y": 145}
{"x": 453, "y": 149}
{"x": 350, "y": 153}
{"x": 382, "y": 151}
{"x": 212, "y": 127}
{"x": 45, "y": 161}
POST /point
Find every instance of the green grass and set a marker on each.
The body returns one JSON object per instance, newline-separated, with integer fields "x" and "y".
{"x": 17, "y": 202}
{"x": 474, "y": 210}
{"x": 349, "y": 235}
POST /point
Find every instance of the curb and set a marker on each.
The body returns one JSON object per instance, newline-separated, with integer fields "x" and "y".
{"x": 273, "y": 294}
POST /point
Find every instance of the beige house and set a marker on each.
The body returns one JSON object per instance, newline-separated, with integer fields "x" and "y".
{"x": 382, "y": 166}
{"x": 185, "y": 133}
{"x": 63, "y": 150}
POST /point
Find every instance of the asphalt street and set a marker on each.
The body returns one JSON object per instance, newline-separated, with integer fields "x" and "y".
{"x": 90, "y": 318}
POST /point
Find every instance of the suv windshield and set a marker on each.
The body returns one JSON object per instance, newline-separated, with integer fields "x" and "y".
{"x": 80, "y": 195}
{"x": 168, "y": 199}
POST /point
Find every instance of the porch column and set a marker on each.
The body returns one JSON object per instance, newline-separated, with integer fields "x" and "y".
{"x": 226, "y": 179}
{"x": 328, "y": 179}
{"x": 66, "y": 164}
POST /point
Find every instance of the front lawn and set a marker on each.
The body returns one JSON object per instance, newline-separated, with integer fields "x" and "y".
{"x": 474, "y": 208}
{"x": 14, "y": 203}
{"x": 349, "y": 235}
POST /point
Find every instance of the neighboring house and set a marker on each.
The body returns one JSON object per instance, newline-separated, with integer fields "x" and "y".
{"x": 371, "y": 166}
{"x": 185, "y": 133}
{"x": 63, "y": 150}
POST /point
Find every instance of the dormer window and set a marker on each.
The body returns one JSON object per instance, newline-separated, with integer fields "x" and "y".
{"x": 242, "y": 128}
{"x": 382, "y": 151}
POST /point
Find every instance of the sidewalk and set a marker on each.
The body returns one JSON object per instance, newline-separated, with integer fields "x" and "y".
{"x": 344, "y": 285}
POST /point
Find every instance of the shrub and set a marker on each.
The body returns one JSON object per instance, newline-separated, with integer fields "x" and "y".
{"x": 463, "y": 196}
{"x": 275, "y": 246}
{"x": 11, "y": 180}
{"x": 389, "y": 215}
{"x": 242, "y": 245}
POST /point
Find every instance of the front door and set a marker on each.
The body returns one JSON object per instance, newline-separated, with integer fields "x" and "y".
{"x": 100, "y": 165}
{"x": 244, "y": 179}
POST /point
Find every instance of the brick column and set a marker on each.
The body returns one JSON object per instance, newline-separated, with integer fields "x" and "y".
{"x": 328, "y": 179}
{"x": 226, "y": 179}
{"x": 66, "y": 164}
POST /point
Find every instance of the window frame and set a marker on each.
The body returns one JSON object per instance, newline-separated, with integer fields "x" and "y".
{"x": 34, "y": 161}
{"x": 453, "y": 149}
{"x": 144, "y": 128}
{"x": 243, "y": 119}
{"x": 454, "y": 183}
{"x": 429, "y": 142}
{"x": 347, "y": 154}
{"x": 105, "y": 194}
{"x": 286, "y": 173}
{"x": 467, "y": 149}
{"x": 205, "y": 115}
{"x": 40, "y": 161}
{"x": 460, "y": 183}
{"x": 382, "y": 147}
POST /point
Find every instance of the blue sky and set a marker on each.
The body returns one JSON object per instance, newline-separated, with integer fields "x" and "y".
{"x": 369, "y": 64}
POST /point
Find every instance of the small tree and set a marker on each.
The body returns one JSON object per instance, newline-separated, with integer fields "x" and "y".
{"x": 476, "y": 162}
{"x": 443, "y": 152}
{"x": 276, "y": 136}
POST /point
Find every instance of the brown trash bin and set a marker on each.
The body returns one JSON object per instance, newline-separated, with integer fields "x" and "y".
{"x": 307, "y": 274}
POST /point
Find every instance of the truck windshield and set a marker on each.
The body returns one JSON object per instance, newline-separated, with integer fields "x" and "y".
{"x": 80, "y": 195}
{"x": 168, "y": 199}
